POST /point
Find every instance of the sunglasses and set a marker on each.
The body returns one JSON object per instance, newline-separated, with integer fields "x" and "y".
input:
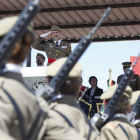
{"x": 126, "y": 67}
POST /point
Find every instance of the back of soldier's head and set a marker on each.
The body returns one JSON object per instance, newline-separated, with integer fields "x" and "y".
{"x": 124, "y": 104}
{"x": 73, "y": 82}
{"x": 22, "y": 47}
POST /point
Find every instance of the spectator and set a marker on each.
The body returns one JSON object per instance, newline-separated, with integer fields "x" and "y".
{"x": 94, "y": 90}
{"x": 40, "y": 59}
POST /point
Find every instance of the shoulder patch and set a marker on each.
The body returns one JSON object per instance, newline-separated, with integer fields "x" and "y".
{"x": 111, "y": 125}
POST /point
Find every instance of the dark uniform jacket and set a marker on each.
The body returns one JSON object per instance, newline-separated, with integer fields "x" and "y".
{"x": 66, "y": 108}
{"x": 98, "y": 92}
{"x": 50, "y": 48}
{"x": 134, "y": 83}
{"x": 119, "y": 129}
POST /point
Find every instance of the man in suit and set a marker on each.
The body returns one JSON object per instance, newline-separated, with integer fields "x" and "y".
{"x": 135, "y": 81}
{"x": 119, "y": 128}
{"x": 65, "y": 105}
{"x": 55, "y": 49}
{"x": 94, "y": 90}
{"x": 21, "y": 113}
{"x": 40, "y": 59}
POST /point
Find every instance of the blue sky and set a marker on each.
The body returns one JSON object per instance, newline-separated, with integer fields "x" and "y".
{"x": 101, "y": 56}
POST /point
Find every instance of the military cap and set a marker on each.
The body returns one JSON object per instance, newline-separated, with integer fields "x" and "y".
{"x": 7, "y": 23}
{"x": 110, "y": 92}
{"x": 126, "y": 64}
{"x": 53, "y": 69}
{"x": 39, "y": 54}
{"x": 55, "y": 28}
{"x": 134, "y": 97}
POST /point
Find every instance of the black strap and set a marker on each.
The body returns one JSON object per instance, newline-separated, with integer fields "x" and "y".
{"x": 41, "y": 116}
{"x": 138, "y": 131}
{"x": 66, "y": 119}
{"x": 124, "y": 131}
{"x": 32, "y": 135}
{"x": 19, "y": 115}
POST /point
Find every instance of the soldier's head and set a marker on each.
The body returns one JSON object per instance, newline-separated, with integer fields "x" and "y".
{"x": 126, "y": 65}
{"x": 93, "y": 81}
{"x": 73, "y": 83}
{"x": 56, "y": 32}
{"x": 135, "y": 96}
{"x": 40, "y": 59}
{"x": 23, "y": 46}
{"x": 124, "y": 104}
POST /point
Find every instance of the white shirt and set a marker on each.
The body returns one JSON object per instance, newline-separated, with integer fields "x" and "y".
{"x": 10, "y": 67}
{"x": 92, "y": 92}
{"x": 58, "y": 42}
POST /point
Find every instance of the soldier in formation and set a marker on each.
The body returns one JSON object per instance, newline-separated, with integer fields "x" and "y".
{"x": 65, "y": 105}
{"x": 119, "y": 128}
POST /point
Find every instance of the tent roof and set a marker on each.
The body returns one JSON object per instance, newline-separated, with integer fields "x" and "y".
{"x": 77, "y": 17}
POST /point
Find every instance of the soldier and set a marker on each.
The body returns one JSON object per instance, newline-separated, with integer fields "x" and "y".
{"x": 135, "y": 96}
{"x": 135, "y": 81}
{"x": 65, "y": 105}
{"x": 20, "y": 113}
{"x": 119, "y": 128}
{"x": 40, "y": 59}
{"x": 55, "y": 49}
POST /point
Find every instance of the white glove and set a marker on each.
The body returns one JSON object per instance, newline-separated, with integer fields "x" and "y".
{"x": 46, "y": 34}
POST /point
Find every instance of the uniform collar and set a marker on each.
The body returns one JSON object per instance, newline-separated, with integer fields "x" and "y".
{"x": 119, "y": 115}
{"x": 66, "y": 99}
{"x": 10, "y": 67}
{"x": 58, "y": 42}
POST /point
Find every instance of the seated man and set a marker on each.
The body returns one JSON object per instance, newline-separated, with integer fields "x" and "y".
{"x": 40, "y": 59}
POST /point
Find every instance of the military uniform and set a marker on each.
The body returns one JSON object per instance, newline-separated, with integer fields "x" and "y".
{"x": 13, "y": 84}
{"x": 53, "y": 51}
{"x": 134, "y": 83}
{"x": 119, "y": 128}
{"x": 68, "y": 107}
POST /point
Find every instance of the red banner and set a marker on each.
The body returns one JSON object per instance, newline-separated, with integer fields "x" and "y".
{"x": 137, "y": 66}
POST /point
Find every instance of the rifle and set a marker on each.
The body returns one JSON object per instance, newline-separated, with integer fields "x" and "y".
{"x": 109, "y": 112}
{"x": 55, "y": 84}
{"x": 134, "y": 111}
{"x": 8, "y": 42}
{"x": 83, "y": 93}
